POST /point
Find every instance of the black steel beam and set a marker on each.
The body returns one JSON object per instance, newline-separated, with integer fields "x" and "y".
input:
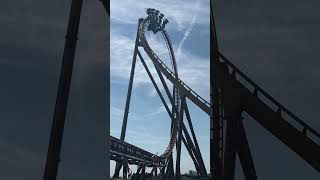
{"x": 155, "y": 85}
{"x": 180, "y": 123}
{"x": 195, "y": 162}
{"x": 192, "y": 148}
{"x": 230, "y": 151}
{"x": 54, "y": 149}
{"x": 244, "y": 153}
{"x": 127, "y": 106}
{"x": 164, "y": 84}
{"x": 204, "y": 173}
{"x": 106, "y": 5}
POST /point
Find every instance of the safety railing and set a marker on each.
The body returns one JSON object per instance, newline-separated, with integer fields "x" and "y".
{"x": 122, "y": 147}
{"x": 257, "y": 89}
{"x": 180, "y": 81}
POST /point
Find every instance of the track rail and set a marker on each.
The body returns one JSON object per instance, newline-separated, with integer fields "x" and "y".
{"x": 183, "y": 87}
{"x": 258, "y": 90}
{"x": 180, "y": 87}
{"x": 281, "y": 122}
{"x": 119, "y": 150}
{"x": 176, "y": 100}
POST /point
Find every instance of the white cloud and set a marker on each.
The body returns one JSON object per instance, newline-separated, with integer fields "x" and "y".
{"x": 179, "y": 12}
{"x": 158, "y": 111}
{"x": 193, "y": 70}
{"x": 187, "y": 32}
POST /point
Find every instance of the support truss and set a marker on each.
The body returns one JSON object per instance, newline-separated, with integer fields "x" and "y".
{"x": 179, "y": 110}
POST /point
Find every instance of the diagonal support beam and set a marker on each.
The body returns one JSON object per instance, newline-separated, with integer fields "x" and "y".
{"x": 127, "y": 106}
{"x": 192, "y": 148}
{"x": 126, "y": 110}
{"x": 244, "y": 153}
{"x": 196, "y": 164}
{"x": 194, "y": 136}
{"x": 155, "y": 84}
{"x": 56, "y": 135}
{"x": 164, "y": 84}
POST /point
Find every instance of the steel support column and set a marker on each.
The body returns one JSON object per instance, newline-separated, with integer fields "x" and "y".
{"x": 180, "y": 124}
{"x": 244, "y": 153}
{"x": 127, "y": 106}
{"x": 54, "y": 149}
{"x": 215, "y": 126}
{"x": 197, "y": 149}
{"x": 155, "y": 85}
{"x": 196, "y": 164}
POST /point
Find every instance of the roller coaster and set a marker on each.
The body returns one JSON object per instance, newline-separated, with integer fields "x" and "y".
{"x": 231, "y": 94}
{"x": 156, "y": 22}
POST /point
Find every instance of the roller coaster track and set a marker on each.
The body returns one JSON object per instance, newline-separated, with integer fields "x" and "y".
{"x": 172, "y": 76}
{"x": 183, "y": 87}
{"x": 181, "y": 91}
{"x": 134, "y": 155}
{"x": 277, "y": 119}
{"x": 239, "y": 93}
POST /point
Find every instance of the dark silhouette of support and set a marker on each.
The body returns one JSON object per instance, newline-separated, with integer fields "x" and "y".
{"x": 139, "y": 169}
{"x": 215, "y": 117}
{"x": 270, "y": 119}
{"x": 230, "y": 152}
{"x": 162, "y": 173}
{"x": 155, "y": 171}
{"x": 180, "y": 117}
{"x": 54, "y": 149}
{"x": 192, "y": 148}
{"x": 231, "y": 97}
{"x": 169, "y": 171}
{"x": 195, "y": 162}
{"x": 197, "y": 149}
{"x": 143, "y": 171}
{"x": 125, "y": 168}
{"x": 244, "y": 153}
{"x": 126, "y": 111}
{"x": 236, "y": 140}
{"x": 155, "y": 85}
{"x": 106, "y": 5}
{"x": 179, "y": 132}
{"x": 127, "y": 106}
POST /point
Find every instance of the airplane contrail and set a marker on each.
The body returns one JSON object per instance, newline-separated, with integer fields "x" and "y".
{"x": 188, "y": 30}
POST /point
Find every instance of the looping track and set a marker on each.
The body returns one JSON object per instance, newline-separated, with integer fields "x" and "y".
{"x": 180, "y": 88}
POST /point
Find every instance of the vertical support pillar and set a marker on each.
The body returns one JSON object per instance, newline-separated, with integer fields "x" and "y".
{"x": 143, "y": 171}
{"x": 54, "y": 149}
{"x": 180, "y": 124}
{"x": 169, "y": 171}
{"x": 215, "y": 126}
{"x": 162, "y": 173}
{"x": 156, "y": 171}
{"x": 230, "y": 151}
{"x": 125, "y": 169}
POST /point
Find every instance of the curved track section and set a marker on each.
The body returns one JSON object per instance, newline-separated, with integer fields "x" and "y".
{"x": 180, "y": 88}
{"x": 175, "y": 99}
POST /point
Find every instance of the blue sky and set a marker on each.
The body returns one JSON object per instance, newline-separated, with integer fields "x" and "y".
{"x": 148, "y": 123}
